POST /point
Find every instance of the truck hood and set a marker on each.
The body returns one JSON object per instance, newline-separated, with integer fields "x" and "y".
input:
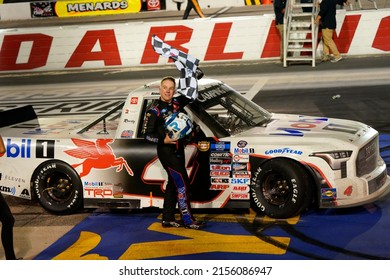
{"x": 310, "y": 127}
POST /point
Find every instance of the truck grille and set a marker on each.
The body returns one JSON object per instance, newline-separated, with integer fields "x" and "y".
{"x": 367, "y": 159}
{"x": 376, "y": 183}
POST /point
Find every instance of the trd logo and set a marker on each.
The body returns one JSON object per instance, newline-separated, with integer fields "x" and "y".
{"x": 98, "y": 192}
{"x": 23, "y": 149}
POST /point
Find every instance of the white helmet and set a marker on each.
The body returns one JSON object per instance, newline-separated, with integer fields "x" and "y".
{"x": 178, "y": 125}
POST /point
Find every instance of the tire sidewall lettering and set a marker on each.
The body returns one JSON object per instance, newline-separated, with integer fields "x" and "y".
{"x": 39, "y": 182}
{"x": 41, "y": 176}
{"x": 256, "y": 200}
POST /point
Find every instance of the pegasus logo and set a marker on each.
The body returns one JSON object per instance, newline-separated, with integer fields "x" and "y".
{"x": 97, "y": 155}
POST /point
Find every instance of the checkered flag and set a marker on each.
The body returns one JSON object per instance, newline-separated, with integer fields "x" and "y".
{"x": 185, "y": 63}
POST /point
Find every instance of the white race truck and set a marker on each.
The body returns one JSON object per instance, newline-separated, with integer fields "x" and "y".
{"x": 240, "y": 157}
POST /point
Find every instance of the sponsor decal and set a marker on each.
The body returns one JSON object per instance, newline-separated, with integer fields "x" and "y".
{"x": 96, "y": 184}
{"x": 242, "y": 144}
{"x": 127, "y": 134}
{"x": 212, "y": 93}
{"x": 220, "y": 160}
{"x": 220, "y": 180}
{"x": 98, "y": 155}
{"x": 243, "y": 150}
{"x": 240, "y": 181}
{"x": 219, "y": 187}
{"x": 283, "y": 151}
{"x": 220, "y": 173}
{"x": 220, "y": 155}
{"x": 9, "y": 190}
{"x": 328, "y": 193}
{"x": 20, "y": 149}
{"x": 298, "y": 128}
{"x": 134, "y": 100}
{"x": 203, "y": 146}
{"x": 225, "y": 167}
{"x": 25, "y": 193}
{"x": 98, "y": 192}
{"x": 348, "y": 191}
{"x": 240, "y": 188}
{"x": 241, "y": 174}
{"x": 237, "y": 166}
{"x": 12, "y": 178}
{"x": 241, "y": 158}
{"x": 220, "y": 146}
{"x": 243, "y": 196}
{"x": 44, "y": 148}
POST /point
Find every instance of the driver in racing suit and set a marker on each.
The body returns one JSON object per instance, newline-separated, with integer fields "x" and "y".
{"x": 171, "y": 155}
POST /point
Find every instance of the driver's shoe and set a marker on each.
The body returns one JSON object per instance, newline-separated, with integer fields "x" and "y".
{"x": 196, "y": 225}
{"x": 175, "y": 224}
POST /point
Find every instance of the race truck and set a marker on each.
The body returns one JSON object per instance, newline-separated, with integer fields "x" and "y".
{"x": 240, "y": 156}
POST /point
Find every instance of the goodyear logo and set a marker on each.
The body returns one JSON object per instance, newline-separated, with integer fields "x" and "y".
{"x": 328, "y": 193}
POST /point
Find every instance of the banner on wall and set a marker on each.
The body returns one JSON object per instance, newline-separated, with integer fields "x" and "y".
{"x": 77, "y": 8}
{"x": 125, "y": 45}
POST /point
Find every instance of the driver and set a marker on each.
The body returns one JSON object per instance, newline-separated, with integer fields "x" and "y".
{"x": 171, "y": 155}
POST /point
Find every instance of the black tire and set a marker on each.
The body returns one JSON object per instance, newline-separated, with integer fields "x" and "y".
{"x": 281, "y": 188}
{"x": 57, "y": 187}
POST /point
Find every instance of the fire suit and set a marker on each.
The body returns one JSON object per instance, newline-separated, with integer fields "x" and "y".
{"x": 171, "y": 157}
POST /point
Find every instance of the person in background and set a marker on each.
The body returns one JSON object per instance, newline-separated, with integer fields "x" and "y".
{"x": 327, "y": 20}
{"x": 192, "y": 4}
{"x": 7, "y": 221}
{"x": 178, "y": 4}
{"x": 279, "y": 8}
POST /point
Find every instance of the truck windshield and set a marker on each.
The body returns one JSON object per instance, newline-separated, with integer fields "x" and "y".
{"x": 229, "y": 109}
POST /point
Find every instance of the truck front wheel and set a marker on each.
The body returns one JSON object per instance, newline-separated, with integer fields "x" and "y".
{"x": 281, "y": 188}
{"x": 58, "y": 187}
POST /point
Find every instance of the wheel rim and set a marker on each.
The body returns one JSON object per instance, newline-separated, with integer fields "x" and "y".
{"x": 276, "y": 189}
{"x": 59, "y": 187}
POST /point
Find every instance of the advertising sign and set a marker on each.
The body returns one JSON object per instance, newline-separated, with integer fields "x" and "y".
{"x": 75, "y": 8}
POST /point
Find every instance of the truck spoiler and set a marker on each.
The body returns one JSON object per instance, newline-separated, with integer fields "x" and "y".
{"x": 17, "y": 115}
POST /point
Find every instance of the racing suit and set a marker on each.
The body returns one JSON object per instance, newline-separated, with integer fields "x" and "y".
{"x": 171, "y": 157}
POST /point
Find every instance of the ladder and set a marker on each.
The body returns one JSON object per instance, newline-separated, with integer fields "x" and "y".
{"x": 300, "y": 32}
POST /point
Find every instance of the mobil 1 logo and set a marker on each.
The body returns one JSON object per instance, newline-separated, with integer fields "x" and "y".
{"x": 44, "y": 149}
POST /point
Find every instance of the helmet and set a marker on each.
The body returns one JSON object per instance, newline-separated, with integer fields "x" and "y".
{"x": 178, "y": 125}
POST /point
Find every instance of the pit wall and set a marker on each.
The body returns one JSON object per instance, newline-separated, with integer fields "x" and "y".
{"x": 212, "y": 40}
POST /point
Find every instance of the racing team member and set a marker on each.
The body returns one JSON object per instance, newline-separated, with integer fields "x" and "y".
{"x": 171, "y": 155}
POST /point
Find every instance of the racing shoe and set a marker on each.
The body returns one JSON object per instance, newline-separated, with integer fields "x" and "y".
{"x": 196, "y": 225}
{"x": 175, "y": 224}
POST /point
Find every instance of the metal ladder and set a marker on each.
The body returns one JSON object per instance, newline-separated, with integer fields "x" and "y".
{"x": 300, "y": 32}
